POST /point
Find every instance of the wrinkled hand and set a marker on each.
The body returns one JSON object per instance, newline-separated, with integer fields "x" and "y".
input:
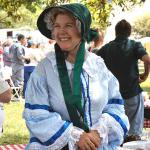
{"x": 89, "y": 141}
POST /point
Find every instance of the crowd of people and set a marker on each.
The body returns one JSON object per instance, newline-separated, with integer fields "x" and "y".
{"x": 19, "y": 53}
{"x": 82, "y": 95}
{"x": 15, "y": 56}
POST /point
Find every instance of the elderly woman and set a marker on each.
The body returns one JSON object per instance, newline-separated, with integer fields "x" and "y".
{"x": 72, "y": 99}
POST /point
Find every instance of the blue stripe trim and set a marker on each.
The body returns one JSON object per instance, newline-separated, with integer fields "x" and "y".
{"x": 84, "y": 97}
{"x": 89, "y": 103}
{"x": 54, "y": 137}
{"x": 118, "y": 119}
{"x": 88, "y": 96}
{"x": 116, "y": 101}
{"x": 37, "y": 106}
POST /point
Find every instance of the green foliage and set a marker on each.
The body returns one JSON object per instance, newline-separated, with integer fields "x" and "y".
{"x": 17, "y": 13}
{"x": 27, "y": 18}
{"x": 142, "y": 25}
{"x": 15, "y": 131}
{"x": 100, "y": 10}
{"x": 12, "y": 6}
{"x": 4, "y": 19}
{"x": 127, "y": 5}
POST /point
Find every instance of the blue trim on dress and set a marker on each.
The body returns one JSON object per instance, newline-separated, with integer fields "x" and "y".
{"x": 37, "y": 106}
{"x": 85, "y": 100}
{"x": 88, "y": 97}
{"x": 118, "y": 119}
{"x": 116, "y": 101}
{"x": 54, "y": 137}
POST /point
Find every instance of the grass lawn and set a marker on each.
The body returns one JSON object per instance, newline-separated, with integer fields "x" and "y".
{"x": 15, "y": 131}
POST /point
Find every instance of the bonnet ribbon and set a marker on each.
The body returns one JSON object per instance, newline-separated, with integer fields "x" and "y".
{"x": 72, "y": 96}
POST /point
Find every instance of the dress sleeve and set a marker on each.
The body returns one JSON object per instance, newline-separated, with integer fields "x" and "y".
{"x": 113, "y": 123}
{"x": 46, "y": 127}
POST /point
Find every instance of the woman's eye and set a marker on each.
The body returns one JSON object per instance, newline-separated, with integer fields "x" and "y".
{"x": 56, "y": 26}
{"x": 69, "y": 25}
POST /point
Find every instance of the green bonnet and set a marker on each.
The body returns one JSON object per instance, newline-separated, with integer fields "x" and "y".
{"x": 78, "y": 10}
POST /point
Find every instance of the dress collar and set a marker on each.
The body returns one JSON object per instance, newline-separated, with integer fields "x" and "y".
{"x": 87, "y": 66}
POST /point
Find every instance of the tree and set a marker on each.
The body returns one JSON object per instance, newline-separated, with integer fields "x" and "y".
{"x": 27, "y": 18}
{"x": 10, "y": 11}
{"x": 100, "y": 9}
{"x": 141, "y": 25}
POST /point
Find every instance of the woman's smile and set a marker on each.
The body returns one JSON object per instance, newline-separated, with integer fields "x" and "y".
{"x": 66, "y": 32}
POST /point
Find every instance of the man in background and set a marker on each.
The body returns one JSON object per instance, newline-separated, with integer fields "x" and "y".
{"x": 18, "y": 60}
{"x": 121, "y": 57}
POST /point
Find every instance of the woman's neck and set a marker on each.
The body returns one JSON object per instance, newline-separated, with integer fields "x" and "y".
{"x": 71, "y": 58}
{"x": 72, "y": 54}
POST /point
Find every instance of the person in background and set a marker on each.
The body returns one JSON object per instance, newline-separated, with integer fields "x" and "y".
{"x": 70, "y": 103}
{"x": 5, "y": 92}
{"x": 29, "y": 42}
{"x": 121, "y": 57}
{"x": 6, "y": 55}
{"x": 17, "y": 52}
{"x": 5, "y": 97}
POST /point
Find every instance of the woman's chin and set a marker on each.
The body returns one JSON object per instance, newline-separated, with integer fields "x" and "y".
{"x": 64, "y": 48}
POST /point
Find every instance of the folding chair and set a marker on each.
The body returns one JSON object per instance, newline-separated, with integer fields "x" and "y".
{"x": 16, "y": 91}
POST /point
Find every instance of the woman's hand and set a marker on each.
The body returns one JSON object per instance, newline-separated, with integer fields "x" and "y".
{"x": 89, "y": 141}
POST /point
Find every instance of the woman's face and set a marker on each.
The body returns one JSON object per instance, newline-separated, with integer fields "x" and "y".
{"x": 66, "y": 33}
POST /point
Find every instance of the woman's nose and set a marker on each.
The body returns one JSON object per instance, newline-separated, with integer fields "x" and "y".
{"x": 62, "y": 30}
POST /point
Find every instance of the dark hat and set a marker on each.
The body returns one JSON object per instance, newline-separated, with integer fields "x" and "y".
{"x": 80, "y": 12}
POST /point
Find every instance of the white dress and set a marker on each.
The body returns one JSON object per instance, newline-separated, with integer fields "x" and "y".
{"x": 46, "y": 114}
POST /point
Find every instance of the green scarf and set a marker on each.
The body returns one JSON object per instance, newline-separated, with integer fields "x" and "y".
{"x": 72, "y": 97}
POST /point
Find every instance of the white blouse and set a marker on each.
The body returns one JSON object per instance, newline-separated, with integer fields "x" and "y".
{"x": 46, "y": 114}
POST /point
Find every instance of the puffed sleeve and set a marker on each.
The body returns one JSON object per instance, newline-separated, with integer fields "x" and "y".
{"x": 46, "y": 127}
{"x": 113, "y": 123}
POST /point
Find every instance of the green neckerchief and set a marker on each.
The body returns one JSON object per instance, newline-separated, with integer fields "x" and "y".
{"x": 72, "y": 97}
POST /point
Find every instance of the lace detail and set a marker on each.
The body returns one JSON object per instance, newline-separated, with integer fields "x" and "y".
{"x": 102, "y": 129}
{"x": 75, "y": 136}
{"x": 109, "y": 129}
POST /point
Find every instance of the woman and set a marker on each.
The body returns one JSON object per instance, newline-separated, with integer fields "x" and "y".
{"x": 72, "y": 100}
